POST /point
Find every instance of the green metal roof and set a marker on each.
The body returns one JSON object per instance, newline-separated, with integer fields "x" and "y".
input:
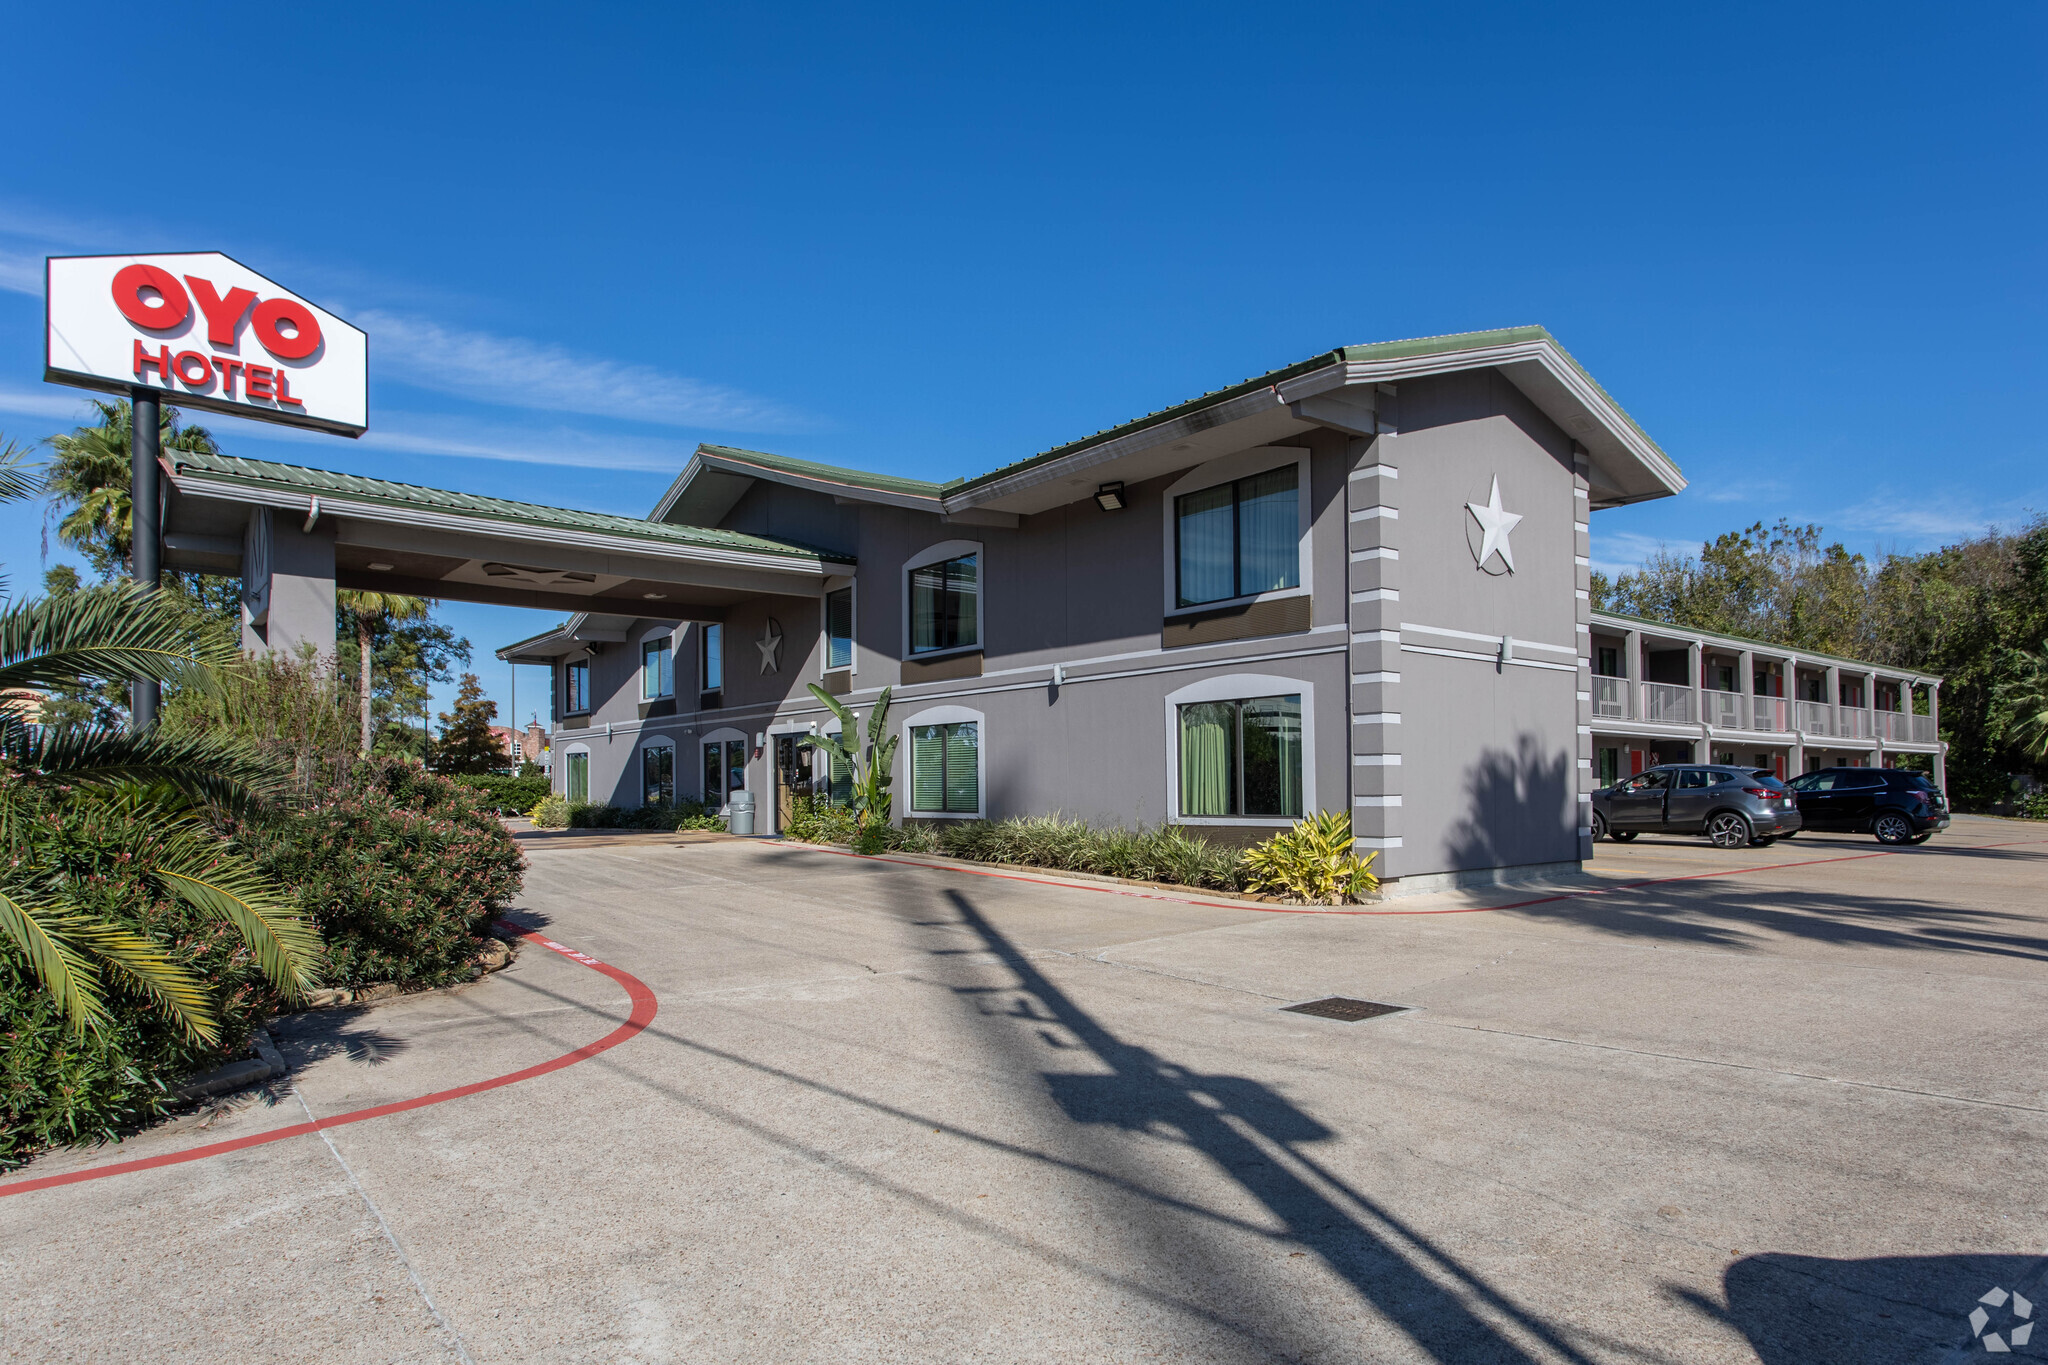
{"x": 811, "y": 469}
{"x": 384, "y": 492}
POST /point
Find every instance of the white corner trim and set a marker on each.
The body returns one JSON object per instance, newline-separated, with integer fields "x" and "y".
{"x": 1377, "y": 718}
{"x": 1375, "y": 471}
{"x": 1360, "y": 679}
{"x": 1375, "y": 800}
{"x": 1376, "y": 760}
{"x": 1381, "y": 510}
{"x": 1377, "y": 552}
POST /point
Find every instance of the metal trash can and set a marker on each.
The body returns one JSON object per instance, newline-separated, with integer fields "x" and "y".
{"x": 740, "y": 812}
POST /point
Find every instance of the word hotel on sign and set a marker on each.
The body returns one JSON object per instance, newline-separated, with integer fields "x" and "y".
{"x": 154, "y": 300}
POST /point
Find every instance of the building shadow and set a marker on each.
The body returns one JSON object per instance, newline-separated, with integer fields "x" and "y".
{"x": 1521, "y": 807}
{"x": 1261, "y": 1142}
{"x": 1886, "y": 1310}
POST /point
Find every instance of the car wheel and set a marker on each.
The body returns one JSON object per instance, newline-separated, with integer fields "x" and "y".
{"x": 1599, "y": 827}
{"x": 1893, "y": 829}
{"x": 1728, "y": 830}
{"x": 1622, "y": 836}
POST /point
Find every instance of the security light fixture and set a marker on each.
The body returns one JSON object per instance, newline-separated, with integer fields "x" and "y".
{"x": 655, "y": 596}
{"x": 1110, "y": 497}
{"x": 380, "y": 568}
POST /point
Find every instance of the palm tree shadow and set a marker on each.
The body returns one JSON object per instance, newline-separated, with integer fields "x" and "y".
{"x": 1441, "y": 1305}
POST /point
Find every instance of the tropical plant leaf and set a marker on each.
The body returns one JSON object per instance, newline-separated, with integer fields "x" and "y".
{"x": 39, "y": 933}
{"x": 140, "y": 960}
{"x": 217, "y": 770}
{"x": 111, "y": 630}
{"x": 229, "y": 887}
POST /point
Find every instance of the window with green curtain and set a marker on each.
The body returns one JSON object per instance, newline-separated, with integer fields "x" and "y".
{"x": 576, "y": 782}
{"x": 943, "y": 605}
{"x": 945, "y": 768}
{"x": 1242, "y": 758}
{"x": 1238, "y": 539}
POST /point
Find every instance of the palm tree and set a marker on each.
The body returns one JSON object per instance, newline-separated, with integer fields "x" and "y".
{"x": 148, "y": 794}
{"x": 2023, "y": 696}
{"x": 91, "y": 475}
{"x": 368, "y": 609}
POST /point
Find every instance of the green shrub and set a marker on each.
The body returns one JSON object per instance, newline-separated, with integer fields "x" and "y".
{"x": 402, "y": 870}
{"x": 57, "y": 1087}
{"x": 2033, "y": 806}
{"x": 551, "y": 813}
{"x": 815, "y": 821}
{"x": 507, "y": 795}
{"x": 685, "y": 814}
{"x": 1312, "y": 863}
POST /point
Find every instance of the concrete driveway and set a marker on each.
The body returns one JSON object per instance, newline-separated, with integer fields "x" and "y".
{"x": 1783, "y": 1104}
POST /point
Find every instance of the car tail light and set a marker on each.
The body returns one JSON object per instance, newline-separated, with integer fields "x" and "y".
{"x": 1764, "y": 792}
{"x": 1922, "y": 797}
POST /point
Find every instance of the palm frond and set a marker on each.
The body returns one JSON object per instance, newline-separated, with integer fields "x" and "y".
{"x": 229, "y": 887}
{"x": 40, "y": 935}
{"x": 17, "y": 484}
{"x": 139, "y": 960}
{"x": 111, "y": 630}
{"x": 213, "y": 769}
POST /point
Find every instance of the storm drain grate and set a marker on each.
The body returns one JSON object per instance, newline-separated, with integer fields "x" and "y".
{"x": 1345, "y": 1010}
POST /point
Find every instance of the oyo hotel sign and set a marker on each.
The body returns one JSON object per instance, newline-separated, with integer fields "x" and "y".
{"x": 209, "y": 333}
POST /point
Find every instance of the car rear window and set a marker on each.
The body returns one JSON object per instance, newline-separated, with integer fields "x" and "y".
{"x": 1767, "y": 780}
{"x": 1919, "y": 780}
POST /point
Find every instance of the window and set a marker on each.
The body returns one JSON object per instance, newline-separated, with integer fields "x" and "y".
{"x": 1610, "y": 662}
{"x": 711, "y": 666}
{"x": 945, "y": 769}
{"x": 576, "y": 777}
{"x": 657, "y": 668}
{"x": 1693, "y": 779}
{"x": 1610, "y": 766}
{"x": 945, "y": 605}
{"x": 1238, "y": 539}
{"x": 1724, "y": 678}
{"x": 725, "y": 769}
{"x": 839, "y": 628}
{"x": 1241, "y": 757}
{"x": 576, "y": 686}
{"x": 658, "y": 775}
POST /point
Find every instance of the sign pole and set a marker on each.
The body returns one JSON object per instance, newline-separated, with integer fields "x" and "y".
{"x": 145, "y": 539}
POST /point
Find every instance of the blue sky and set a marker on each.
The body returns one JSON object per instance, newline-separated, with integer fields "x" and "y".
{"x": 1802, "y": 245}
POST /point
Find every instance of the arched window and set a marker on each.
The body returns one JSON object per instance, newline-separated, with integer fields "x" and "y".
{"x": 942, "y": 600}
{"x": 1240, "y": 750}
{"x": 948, "y": 757}
{"x": 576, "y": 772}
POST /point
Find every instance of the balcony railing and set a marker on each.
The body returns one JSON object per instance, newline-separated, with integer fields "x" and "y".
{"x": 1853, "y": 722}
{"x": 1724, "y": 709}
{"x": 1610, "y": 697}
{"x": 1815, "y": 718}
{"x": 1668, "y": 704}
{"x": 1772, "y": 714}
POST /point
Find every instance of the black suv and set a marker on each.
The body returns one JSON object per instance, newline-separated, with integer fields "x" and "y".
{"x": 1733, "y": 807}
{"x": 1898, "y": 807}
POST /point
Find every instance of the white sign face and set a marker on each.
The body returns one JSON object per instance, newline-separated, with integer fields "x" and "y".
{"x": 209, "y": 333}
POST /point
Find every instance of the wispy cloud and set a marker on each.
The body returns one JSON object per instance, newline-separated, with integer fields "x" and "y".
{"x": 1928, "y": 520}
{"x": 528, "y": 374}
{"x": 463, "y": 438}
{"x": 21, "y": 273}
{"x": 52, "y": 404}
{"x": 1620, "y": 552}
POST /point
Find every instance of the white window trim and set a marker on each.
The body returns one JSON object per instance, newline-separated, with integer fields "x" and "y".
{"x": 1242, "y": 687}
{"x": 719, "y": 737}
{"x": 1229, "y": 469}
{"x": 589, "y": 702}
{"x": 947, "y": 715}
{"x": 563, "y": 767}
{"x": 641, "y": 663}
{"x": 936, "y": 554}
{"x": 832, "y": 585}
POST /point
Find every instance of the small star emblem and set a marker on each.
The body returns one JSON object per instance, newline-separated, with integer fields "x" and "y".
{"x": 770, "y": 645}
{"x": 1495, "y": 521}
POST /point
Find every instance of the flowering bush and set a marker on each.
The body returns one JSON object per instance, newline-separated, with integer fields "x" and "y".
{"x": 402, "y": 870}
{"x": 551, "y": 813}
{"x": 685, "y": 814}
{"x": 58, "y": 1087}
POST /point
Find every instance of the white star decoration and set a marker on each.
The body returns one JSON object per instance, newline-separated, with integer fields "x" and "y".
{"x": 1496, "y": 522}
{"x": 770, "y": 645}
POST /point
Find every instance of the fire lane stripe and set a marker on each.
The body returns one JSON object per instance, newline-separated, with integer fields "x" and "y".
{"x": 1307, "y": 910}
{"x": 644, "y": 1007}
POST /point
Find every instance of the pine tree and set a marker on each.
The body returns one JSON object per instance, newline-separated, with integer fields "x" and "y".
{"x": 467, "y": 744}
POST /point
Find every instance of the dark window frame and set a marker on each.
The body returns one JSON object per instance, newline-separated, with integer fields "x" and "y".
{"x": 1236, "y": 487}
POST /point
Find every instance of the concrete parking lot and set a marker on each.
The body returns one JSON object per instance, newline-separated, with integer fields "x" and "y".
{"x": 1783, "y": 1104}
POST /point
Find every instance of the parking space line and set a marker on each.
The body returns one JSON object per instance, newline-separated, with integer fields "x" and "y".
{"x": 644, "y": 1007}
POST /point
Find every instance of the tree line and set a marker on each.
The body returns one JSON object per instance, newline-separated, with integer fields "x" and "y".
{"x": 1974, "y": 613}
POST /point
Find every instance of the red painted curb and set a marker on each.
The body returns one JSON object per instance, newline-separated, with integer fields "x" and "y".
{"x": 1306, "y": 910}
{"x": 644, "y": 1007}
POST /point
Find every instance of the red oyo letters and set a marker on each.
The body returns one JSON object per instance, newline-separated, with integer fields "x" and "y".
{"x": 224, "y": 315}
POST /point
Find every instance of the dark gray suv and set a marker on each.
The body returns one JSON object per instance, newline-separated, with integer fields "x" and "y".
{"x": 1733, "y": 807}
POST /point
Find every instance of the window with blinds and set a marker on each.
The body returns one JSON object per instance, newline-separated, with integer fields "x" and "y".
{"x": 945, "y": 769}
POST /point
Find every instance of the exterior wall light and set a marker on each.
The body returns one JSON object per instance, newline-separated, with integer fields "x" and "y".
{"x": 1110, "y": 497}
